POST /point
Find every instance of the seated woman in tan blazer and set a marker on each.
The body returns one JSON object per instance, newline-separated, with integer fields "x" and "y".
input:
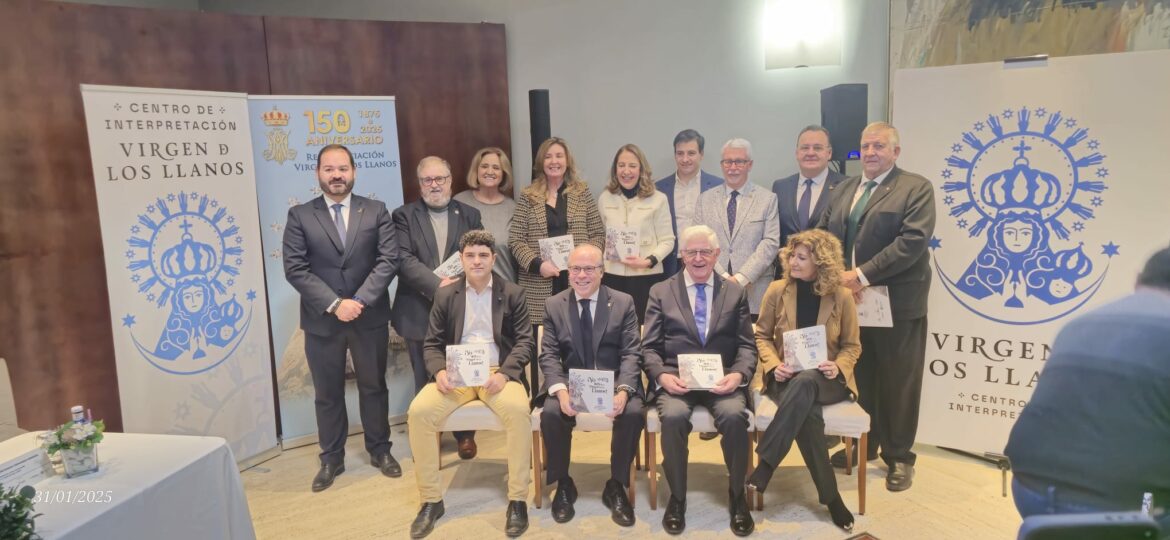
{"x": 809, "y": 294}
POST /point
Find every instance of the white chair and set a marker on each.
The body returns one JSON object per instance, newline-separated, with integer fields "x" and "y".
{"x": 701, "y": 422}
{"x": 585, "y": 422}
{"x": 845, "y": 419}
{"x": 473, "y": 416}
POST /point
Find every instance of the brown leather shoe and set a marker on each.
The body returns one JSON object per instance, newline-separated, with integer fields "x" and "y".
{"x": 467, "y": 448}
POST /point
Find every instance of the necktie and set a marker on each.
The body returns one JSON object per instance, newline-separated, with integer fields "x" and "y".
{"x": 805, "y": 202}
{"x": 701, "y": 312}
{"x": 854, "y": 218}
{"x": 731, "y": 207}
{"x": 587, "y": 335}
{"x": 340, "y": 223}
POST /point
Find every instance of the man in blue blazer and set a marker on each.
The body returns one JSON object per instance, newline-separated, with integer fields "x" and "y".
{"x": 802, "y": 197}
{"x": 682, "y": 188}
{"x": 340, "y": 253}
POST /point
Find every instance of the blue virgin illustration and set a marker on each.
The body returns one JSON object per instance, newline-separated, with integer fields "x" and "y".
{"x": 1029, "y": 183}
{"x": 185, "y": 255}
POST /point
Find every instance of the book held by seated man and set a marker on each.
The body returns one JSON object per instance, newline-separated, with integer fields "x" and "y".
{"x": 591, "y": 390}
{"x": 451, "y": 267}
{"x": 468, "y": 364}
{"x": 556, "y": 250}
{"x": 700, "y": 371}
{"x": 621, "y": 242}
{"x": 805, "y": 348}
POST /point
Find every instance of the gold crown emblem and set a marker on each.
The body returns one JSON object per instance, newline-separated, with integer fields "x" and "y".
{"x": 275, "y": 118}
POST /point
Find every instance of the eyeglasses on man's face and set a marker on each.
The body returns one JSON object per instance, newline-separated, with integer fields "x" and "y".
{"x": 434, "y": 180}
{"x": 692, "y": 253}
{"x": 587, "y": 270}
{"x": 735, "y": 162}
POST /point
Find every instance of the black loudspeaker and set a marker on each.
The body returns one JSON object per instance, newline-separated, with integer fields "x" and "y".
{"x": 538, "y": 118}
{"x": 844, "y": 109}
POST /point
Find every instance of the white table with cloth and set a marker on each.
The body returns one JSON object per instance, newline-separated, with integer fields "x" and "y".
{"x": 147, "y": 486}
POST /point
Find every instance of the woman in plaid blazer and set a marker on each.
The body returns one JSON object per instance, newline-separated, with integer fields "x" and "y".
{"x": 557, "y": 202}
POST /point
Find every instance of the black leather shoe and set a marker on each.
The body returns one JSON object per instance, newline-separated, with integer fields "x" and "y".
{"x": 614, "y": 497}
{"x": 842, "y": 517}
{"x": 424, "y": 522}
{"x": 900, "y": 477}
{"x": 705, "y": 436}
{"x": 742, "y": 523}
{"x": 562, "y": 502}
{"x": 517, "y": 519}
{"x": 387, "y": 464}
{"x": 467, "y": 447}
{"x": 325, "y": 476}
{"x": 674, "y": 520}
{"x": 838, "y": 457}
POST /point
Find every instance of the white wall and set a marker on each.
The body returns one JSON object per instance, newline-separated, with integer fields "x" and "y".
{"x": 641, "y": 71}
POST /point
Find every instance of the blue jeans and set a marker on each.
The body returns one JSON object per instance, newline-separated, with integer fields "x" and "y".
{"x": 1055, "y": 500}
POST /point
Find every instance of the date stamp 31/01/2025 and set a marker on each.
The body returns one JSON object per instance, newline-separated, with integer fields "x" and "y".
{"x": 73, "y": 496}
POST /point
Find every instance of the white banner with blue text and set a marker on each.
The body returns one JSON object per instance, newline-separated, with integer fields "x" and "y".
{"x": 177, "y": 202}
{"x": 1051, "y": 194}
{"x": 287, "y": 134}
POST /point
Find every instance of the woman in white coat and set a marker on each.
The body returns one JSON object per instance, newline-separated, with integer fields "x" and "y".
{"x": 638, "y": 227}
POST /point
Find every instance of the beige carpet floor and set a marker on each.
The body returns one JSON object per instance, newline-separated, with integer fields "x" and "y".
{"x": 953, "y": 497}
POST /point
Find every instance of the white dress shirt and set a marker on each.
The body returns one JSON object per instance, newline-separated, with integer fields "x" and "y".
{"x": 686, "y": 196}
{"x": 708, "y": 293}
{"x": 346, "y": 204}
{"x": 817, "y": 187}
{"x": 477, "y": 321}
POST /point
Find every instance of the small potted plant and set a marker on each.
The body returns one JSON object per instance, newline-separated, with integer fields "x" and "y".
{"x": 77, "y": 441}
{"x": 16, "y": 517}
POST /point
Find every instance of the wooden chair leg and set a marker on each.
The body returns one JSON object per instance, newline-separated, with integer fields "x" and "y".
{"x": 630, "y": 490}
{"x": 652, "y": 464}
{"x": 759, "y": 494}
{"x": 848, "y": 455}
{"x": 637, "y": 459}
{"x": 750, "y": 494}
{"x": 537, "y": 468}
{"x": 863, "y": 443}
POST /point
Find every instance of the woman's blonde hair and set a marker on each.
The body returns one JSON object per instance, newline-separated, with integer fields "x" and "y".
{"x": 645, "y": 184}
{"x": 505, "y": 167}
{"x": 538, "y": 189}
{"x": 826, "y": 255}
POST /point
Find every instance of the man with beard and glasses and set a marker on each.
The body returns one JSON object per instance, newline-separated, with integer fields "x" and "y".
{"x": 429, "y": 229}
{"x": 340, "y": 254}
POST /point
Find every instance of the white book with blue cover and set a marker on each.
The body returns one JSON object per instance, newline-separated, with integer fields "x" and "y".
{"x": 805, "y": 348}
{"x": 468, "y": 364}
{"x": 874, "y": 307}
{"x": 556, "y": 250}
{"x": 451, "y": 267}
{"x": 591, "y": 390}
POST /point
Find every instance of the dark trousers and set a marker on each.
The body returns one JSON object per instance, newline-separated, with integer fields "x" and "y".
{"x": 326, "y": 355}
{"x": 414, "y": 348}
{"x": 731, "y": 420}
{"x": 889, "y": 381}
{"x": 557, "y": 430}
{"x": 799, "y": 418}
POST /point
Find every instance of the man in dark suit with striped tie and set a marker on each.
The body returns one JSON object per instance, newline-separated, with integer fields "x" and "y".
{"x": 590, "y": 326}
{"x": 802, "y": 197}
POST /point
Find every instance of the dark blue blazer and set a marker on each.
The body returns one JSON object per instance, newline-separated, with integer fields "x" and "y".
{"x": 707, "y": 181}
{"x": 786, "y": 190}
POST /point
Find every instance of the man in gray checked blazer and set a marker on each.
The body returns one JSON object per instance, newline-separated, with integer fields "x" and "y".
{"x": 744, "y": 218}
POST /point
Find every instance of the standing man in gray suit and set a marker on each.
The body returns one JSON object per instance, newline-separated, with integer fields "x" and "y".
{"x": 340, "y": 254}
{"x": 429, "y": 230}
{"x": 699, "y": 312}
{"x": 590, "y": 326}
{"x": 800, "y": 197}
{"x": 743, "y": 216}
{"x": 682, "y": 188}
{"x": 885, "y": 219}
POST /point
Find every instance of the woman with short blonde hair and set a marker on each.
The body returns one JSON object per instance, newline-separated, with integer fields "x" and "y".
{"x": 490, "y": 180}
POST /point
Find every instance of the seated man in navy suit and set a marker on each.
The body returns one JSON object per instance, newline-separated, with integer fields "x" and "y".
{"x": 699, "y": 312}
{"x": 592, "y": 327}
